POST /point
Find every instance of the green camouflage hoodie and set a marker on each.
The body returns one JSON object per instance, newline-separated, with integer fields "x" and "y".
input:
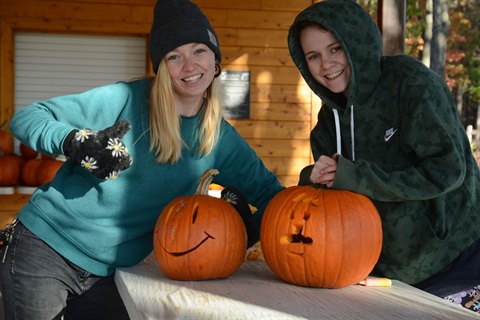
{"x": 402, "y": 145}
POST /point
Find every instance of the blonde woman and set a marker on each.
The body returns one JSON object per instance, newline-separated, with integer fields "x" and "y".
{"x": 99, "y": 211}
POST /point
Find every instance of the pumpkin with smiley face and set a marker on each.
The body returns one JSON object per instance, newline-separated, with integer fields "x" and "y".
{"x": 199, "y": 237}
{"x": 321, "y": 237}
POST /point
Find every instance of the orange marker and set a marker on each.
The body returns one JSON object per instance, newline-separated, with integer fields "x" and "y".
{"x": 376, "y": 282}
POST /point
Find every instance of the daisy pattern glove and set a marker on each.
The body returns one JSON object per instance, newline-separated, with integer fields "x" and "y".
{"x": 100, "y": 152}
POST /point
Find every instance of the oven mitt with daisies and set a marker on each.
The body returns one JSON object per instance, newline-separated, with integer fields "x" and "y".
{"x": 100, "y": 152}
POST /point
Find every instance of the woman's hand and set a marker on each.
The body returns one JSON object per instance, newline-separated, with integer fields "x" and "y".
{"x": 324, "y": 171}
{"x": 100, "y": 152}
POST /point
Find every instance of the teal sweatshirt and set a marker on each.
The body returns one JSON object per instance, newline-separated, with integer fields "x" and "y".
{"x": 402, "y": 145}
{"x": 101, "y": 225}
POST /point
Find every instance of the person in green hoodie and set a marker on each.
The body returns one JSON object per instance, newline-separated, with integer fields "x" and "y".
{"x": 100, "y": 210}
{"x": 389, "y": 129}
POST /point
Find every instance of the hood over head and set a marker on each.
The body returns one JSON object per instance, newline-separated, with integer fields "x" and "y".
{"x": 362, "y": 43}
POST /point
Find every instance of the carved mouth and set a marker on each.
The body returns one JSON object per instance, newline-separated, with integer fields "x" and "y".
{"x": 300, "y": 238}
{"x": 296, "y": 242}
{"x": 177, "y": 254}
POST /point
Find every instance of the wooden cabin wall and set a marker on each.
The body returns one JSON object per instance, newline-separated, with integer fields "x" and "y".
{"x": 252, "y": 34}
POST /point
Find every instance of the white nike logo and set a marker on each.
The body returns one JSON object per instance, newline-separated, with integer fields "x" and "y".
{"x": 389, "y": 133}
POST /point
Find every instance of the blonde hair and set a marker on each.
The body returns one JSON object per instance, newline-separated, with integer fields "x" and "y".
{"x": 165, "y": 122}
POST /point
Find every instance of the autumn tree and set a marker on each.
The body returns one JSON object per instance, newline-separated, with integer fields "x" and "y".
{"x": 463, "y": 59}
{"x": 444, "y": 34}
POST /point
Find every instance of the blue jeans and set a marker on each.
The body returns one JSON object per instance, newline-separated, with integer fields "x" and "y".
{"x": 38, "y": 283}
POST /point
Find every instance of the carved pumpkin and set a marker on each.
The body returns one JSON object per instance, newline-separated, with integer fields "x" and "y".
{"x": 321, "y": 238}
{"x": 199, "y": 237}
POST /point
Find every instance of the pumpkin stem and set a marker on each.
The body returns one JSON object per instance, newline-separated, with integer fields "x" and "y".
{"x": 3, "y": 124}
{"x": 205, "y": 181}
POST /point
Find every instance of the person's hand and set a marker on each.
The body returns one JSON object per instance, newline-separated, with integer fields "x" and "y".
{"x": 100, "y": 152}
{"x": 324, "y": 171}
{"x": 233, "y": 196}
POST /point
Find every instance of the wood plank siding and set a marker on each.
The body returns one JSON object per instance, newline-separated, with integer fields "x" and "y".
{"x": 253, "y": 36}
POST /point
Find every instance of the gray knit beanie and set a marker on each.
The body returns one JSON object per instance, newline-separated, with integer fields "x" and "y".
{"x": 178, "y": 22}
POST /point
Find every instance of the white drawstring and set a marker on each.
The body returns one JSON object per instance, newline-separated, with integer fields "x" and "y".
{"x": 352, "y": 132}
{"x": 337, "y": 130}
{"x": 339, "y": 135}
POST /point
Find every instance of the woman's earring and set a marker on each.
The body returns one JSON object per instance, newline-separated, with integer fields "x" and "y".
{"x": 218, "y": 70}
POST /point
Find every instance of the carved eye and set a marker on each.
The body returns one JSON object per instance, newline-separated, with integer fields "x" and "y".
{"x": 194, "y": 215}
{"x": 306, "y": 216}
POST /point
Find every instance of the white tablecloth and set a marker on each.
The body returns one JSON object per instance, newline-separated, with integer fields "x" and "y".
{"x": 254, "y": 292}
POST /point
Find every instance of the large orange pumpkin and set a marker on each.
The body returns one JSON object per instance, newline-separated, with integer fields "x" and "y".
{"x": 199, "y": 237}
{"x": 321, "y": 237}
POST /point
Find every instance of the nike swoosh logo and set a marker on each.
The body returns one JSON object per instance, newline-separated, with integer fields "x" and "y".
{"x": 389, "y": 134}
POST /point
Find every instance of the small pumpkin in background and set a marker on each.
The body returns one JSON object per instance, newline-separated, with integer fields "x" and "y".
{"x": 27, "y": 152}
{"x": 199, "y": 237}
{"x": 10, "y": 164}
{"x": 36, "y": 172}
{"x": 47, "y": 170}
{"x": 6, "y": 141}
{"x": 29, "y": 172}
{"x": 321, "y": 237}
{"x": 44, "y": 156}
{"x": 10, "y": 168}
